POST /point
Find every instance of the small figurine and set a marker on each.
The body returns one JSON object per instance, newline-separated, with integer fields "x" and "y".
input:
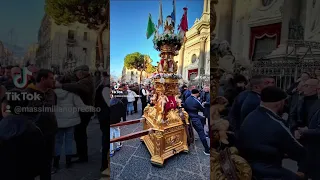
{"x": 178, "y": 100}
{"x": 170, "y": 65}
{"x": 218, "y": 124}
{"x": 175, "y": 66}
{"x": 153, "y": 100}
{"x": 160, "y": 66}
{"x": 162, "y": 101}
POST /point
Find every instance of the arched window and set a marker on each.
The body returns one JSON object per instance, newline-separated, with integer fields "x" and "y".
{"x": 193, "y": 58}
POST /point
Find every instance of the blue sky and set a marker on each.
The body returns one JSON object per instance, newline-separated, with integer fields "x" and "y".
{"x": 24, "y": 18}
{"x": 129, "y": 23}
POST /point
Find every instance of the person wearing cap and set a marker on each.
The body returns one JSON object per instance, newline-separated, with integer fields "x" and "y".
{"x": 193, "y": 106}
{"x": 247, "y": 101}
{"x": 84, "y": 87}
{"x": 264, "y": 140}
{"x": 187, "y": 93}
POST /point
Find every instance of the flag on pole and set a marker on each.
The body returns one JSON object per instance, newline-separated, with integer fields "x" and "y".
{"x": 183, "y": 27}
{"x": 160, "y": 20}
{"x": 150, "y": 28}
{"x": 173, "y": 14}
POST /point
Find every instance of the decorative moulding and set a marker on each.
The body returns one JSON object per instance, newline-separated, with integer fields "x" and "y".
{"x": 267, "y": 14}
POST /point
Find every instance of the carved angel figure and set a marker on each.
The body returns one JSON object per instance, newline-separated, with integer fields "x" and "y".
{"x": 163, "y": 99}
{"x": 175, "y": 66}
{"x": 153, "y": 100}
{"x": 170, "y": 65}
{"x": 218, "y": 124}
{"x": 178, "y": 100}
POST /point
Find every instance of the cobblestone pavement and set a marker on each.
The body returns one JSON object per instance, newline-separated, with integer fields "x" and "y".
{"x": 87, "y": 171}
{"x": 132, "y": 162}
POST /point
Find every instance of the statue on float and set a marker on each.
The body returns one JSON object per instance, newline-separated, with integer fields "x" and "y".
{"x": 166, "y": 125}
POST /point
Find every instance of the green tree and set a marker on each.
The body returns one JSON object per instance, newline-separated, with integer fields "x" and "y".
{"x": 150, "y": 68}
{"x": 139, "y": 62}
{"x": 93, "y": 13}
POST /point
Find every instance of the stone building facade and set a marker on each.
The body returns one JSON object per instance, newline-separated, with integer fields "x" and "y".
{"x": 65, "y": 47}
{"x": 194, "y": 55}
{"x": 132, "y": 76}
{"x": 259, "y": 30}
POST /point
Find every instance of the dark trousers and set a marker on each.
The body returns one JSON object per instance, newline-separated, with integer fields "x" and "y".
{"x": 144, "y": 104}
{"x": 135, "y": 105}
{"x": 45, "y": 173}
{"x": 105, "y": 151}
{"x": 80, "y": 136}
{"x": 198, "y": 125}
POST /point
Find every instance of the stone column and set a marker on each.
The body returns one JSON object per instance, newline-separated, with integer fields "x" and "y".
{"x": 181, "y": 59}
{"x": 224, "y": 9}
{"x": 206, "y": 6}
{"x": 202, "y": 56}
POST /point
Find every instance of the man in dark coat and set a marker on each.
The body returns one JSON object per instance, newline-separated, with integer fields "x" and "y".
{"x": 135, "y": 88}
{"x": 193, "y": 106}
{"x": 235, "y": 86}
{"x": 102, "y": 101}
{"x": 205, "y": 99}
{"x": 116, "y": 107}
{"x": 187, "y": 93}
{"x": 46, "y": 121}
{"x": 247, "y": 101}
{"x": 84, "y": 87}
{"x": 307, "y": 129}
{"x": 22, "y": 145}
{"x": 264, "y": 140}
{"x": 143, "y": 97}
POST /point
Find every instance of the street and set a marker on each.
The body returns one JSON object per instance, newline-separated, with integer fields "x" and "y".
{"x": 86, "y": 171}
{"x": 133, "y": 161}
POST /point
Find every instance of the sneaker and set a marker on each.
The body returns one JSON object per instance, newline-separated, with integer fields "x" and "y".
{"x": 111, "y": 153}
{"x": 118, "y": 148}
{"x": 207, "y": 153}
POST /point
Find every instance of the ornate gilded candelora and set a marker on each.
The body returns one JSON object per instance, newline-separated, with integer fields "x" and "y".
{"x": 164, "y": 114}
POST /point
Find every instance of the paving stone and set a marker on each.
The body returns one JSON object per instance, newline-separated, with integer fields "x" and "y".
{"x": 152, "y": 177}
{"x": 188, "y": 162}
{"x": 205, "y": 169}
{"x": 137, "y": 169}
{"x": 115, "y": 170}
{"x": 184, "y": 175}
{"x": 122, "y": 156}
{"x": 168, "y": 170}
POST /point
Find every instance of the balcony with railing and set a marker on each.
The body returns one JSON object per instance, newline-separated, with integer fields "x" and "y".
{"x": 70, "y": 42}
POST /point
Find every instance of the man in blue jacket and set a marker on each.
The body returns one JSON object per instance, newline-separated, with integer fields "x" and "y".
{"x": 248, "y": 101}
{"x": 205, "y": 99}
{"x": 193, "y": 106}
{"x": 264, "y": 140}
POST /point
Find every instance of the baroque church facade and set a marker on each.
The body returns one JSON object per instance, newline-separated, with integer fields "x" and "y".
{"x": 194, "y": 55}
{"x": 262, "y": 33}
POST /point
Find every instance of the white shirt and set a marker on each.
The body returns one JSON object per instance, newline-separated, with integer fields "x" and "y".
{"x": 144, "y": 92}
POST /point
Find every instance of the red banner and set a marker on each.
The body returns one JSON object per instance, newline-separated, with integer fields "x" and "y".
{"x": 192, "y": 71}
{"x": 172, "y": 104}
{"x": 259, "y": 32}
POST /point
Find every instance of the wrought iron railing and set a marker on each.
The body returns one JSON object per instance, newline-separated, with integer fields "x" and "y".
{"x": 287, "y": 68}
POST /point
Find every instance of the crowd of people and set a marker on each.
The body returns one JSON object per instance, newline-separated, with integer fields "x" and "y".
{"x": 31, "y": 140}
{"x": 269, "y": 124}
